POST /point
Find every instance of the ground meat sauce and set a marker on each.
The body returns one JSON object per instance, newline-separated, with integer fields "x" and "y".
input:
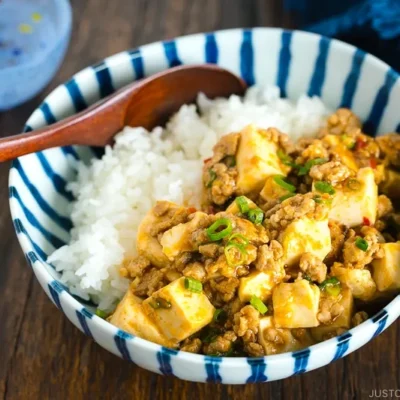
{"x": 292, "y": 242}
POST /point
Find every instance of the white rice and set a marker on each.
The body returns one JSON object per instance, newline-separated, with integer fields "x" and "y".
{"x": 114, "y": 193}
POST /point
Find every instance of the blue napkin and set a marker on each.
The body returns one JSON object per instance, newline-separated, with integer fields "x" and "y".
{"x": 372, "y": 25}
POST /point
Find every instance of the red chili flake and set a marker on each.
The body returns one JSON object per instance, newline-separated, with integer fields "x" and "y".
{"x": 373, "y": 162}
{"x": 360, "y": 143}
{"x": 366, "y": 221}
{"x": 192, "y": 210}
{"x": 206, "y": 160}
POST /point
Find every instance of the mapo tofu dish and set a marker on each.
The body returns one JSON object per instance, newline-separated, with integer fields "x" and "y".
{"x": 292, "y": 244}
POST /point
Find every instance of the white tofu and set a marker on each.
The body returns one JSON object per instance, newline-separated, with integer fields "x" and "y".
{"x": 359, "y": 281}
{"x": 386, "y": 270}
{"x": 345, "y": 299}
{"x": 272, "y": 191}
{"x": 189, "y": 311}
{"x": 340, "y": 149}
{"x": 256, "y": 159}
{"x": 296, "y": 304}
{"x": 176, "y": 240}
{"x": 287, "y": 341}
{"x": 350, "y": 207}
{"x": 234, "y": 208}
{"x": 130, "y": 317}
{"x": 259, "y": 284}
{"x": 305, "y": 235}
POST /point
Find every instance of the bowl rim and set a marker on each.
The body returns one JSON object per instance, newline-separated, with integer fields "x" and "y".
{"x": 392, "y": 308}
{"x": 63, "y": 7}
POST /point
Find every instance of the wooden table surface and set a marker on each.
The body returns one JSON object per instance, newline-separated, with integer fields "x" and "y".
{"x": 42, "y": 355}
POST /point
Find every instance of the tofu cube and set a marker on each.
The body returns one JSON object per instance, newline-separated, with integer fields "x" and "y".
{"x": 305, "y": 235}
{"x": 280, "y": 340}
{"x": 296, "y": 304}
{"x": 130, "y": 317}
{"x": 259, "y": 284}
{"x": 351, "y": 206}
{"x": 234, "y": 208}
{"x": 386, "y": 270}
{"x": 345, "y": 299}
{"x": 256, "y": 159}
{"x": 359, "y": 281}
{"x": 177, "y": 239}
{"x": 187, "y": 314}
{"x": 340, "y": 148}
{"x": 272, "y": 191}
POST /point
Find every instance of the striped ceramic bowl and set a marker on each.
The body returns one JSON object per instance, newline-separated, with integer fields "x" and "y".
{"x": 298, "y": 63}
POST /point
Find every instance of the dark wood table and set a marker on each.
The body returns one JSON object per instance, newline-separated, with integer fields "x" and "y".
{"x": 42, "y": 355}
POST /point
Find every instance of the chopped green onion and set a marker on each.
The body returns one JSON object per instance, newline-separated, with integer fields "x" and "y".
{"x": 331, "y": 286}
{"x": 232, "y": 250}
{"x": 154, "y": 303}
{"x": 163, "y": 303}
{"x": 193, "y": 285}
{"x": 305, "y": 169}
{"x": 242, "y": 240}
{"x": 362, "y": 244}
{"x": 242, "y": 203}
{"x": 280, "y": 180}
{"x": 257, "y": 303}
{"x": 324, "y": 187}
{"x": 230, "y": 161}
{"x": 285, "y": 158}
{"x": 307, "y": 278}
{"x": 348, "y": 141}
{"x": 256, "y": 216}
{"x": 321, "y": 200}
{"x": 215, "y": 235}
{"x": 220, "y": 315}
{"x": 101, "y": 313}
{"x": 286, "y": 196}
{"x": 353, "y": 184}
{"x": 329, "y": 281}
{"x": 213, "y": 176}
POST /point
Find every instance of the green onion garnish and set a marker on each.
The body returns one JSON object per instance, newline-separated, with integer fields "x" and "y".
{"x": 256, "y": 216}
{"x": 362, "y": 244}
{"x": 331, "y": 286}
{"x": 220, "y": 315}
{"x": 101, "y": 313}
{"x": 242, "y": 203}
{"x": 230, "y": 161}
{"x": 286, "y": 196}
{"x": 305, "y": 169}
{"x": 213, "y": 176}
{"x": 348, "y": 141}
{"x": 232, "y": 250}
{"x": 324, "y": 187}
{"x": 307, "y": 278}
{"x": 285, "y": 158}
{"x": 257, "y": 303}
{"x": 353, "y": 184}
{"x": 239, "y": 239}
{"x": 163, "y": 303}
{"x": 280, "y": 180}
{"x": 193, "y": 285}
{"x": 215, "y": 235}
{"x": 321, "y": 200}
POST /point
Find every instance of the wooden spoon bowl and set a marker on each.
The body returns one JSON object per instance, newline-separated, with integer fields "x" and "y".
{"x": 148, "y": 103}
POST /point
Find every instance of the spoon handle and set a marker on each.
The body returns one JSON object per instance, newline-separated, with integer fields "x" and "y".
{"x": 93, "y": 126}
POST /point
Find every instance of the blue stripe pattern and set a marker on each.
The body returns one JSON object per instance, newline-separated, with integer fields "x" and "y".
{"x": 137, "y": 63}
{"x": 76, "y": 95}
{"x": 247, "y": 58}
{"x": 55, "y": 290}
{"x": 380, "y": 103}
{"x": 19, "y": 228}
{"x": 120, "y": 341}
{"x": 82, "y": 320}
{"x": 164, "y": 358}
{"x": 211, "y": 51}
{"x": 381, "y": 317}
{"x": 47, "y": 113}
{"x": 212, "y": 369}
{"x": 258, "y": 367}
{"x": 104, "y": 79}
{"x": 284, "y": 62}
{"x": 301, "y": 361}
{"x": 318, "y": 77}
{"x": 342, "y": 346}
{"x": 32, "y": 257}
{"x": 50, "y": 237}
{"x": 69, "y": 150}
{"x": 350, "y": 85}
{"x": 61, "y": 221}
{"x": 171, "y": 53}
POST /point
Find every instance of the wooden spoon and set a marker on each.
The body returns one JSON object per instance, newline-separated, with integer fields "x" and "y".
{"x": 148, "y": 103}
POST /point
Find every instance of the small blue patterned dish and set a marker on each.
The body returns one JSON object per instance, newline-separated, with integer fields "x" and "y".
{"x": 34, "y": 36}
{"x": 298, "y": 63}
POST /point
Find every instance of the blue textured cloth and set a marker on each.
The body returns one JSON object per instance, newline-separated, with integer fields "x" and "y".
{"x": 372, "y": 25}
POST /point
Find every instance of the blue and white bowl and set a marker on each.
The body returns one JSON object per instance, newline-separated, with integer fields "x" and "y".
{"x": 298, "y": 63}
